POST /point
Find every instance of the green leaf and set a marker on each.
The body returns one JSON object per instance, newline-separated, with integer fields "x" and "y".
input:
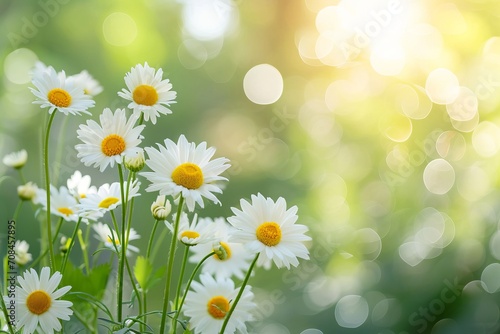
{"x": 188, "y": 331}
{"x": 142, "y": 272}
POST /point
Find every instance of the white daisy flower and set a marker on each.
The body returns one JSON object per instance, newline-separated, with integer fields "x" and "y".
{"x": 55, "y": 91}
{"x": 79, "y": 185}
{"x": 198, "y": 231}
{"x": 22, "y": 255}
{"x": 86, "y": 82}
{"x": 107, "y": 198}
{"x": 37, "y": 304}
{"x": 62, "y": 203}
{"x": 268, "y": 228}
{"x": 27, "y": 192}
{"x": 16, "y": 159}
{"x": 38, "y": 70}
{"x": 150, "y": 95}
{"x": 109, "y": 142}
{"x": 111, "y": 238}
{"x": 209, "y": 301}
{"x": 186, "y": 169}
{"x": 237, "y": 259}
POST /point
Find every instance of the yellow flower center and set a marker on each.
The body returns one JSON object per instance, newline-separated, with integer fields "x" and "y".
{"x": 113, "y": 145}
{"x": 38, "y": 302}
{"x": 188, "y": 175}
{"x": 83, "y": 195}
{"x": 218, "y": 306}
{"x": 145, "y": 95}
{"x": 65, "y": 211}
{"x": 116, "y": 241}
{"x": 59, "y": 97}
{"x": 226, "y": 248}
{"x": 269, "y": 233}
{"x": 107, "y": 202}
{"x": 190, "y": 234}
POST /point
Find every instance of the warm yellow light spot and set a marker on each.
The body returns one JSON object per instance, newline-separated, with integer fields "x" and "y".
{"x": 269, "y": 233}
{"x": 218, "y": 306}
{"x": 107, "y": 202}
{"x": 59, "y": 97}
{"x": 65, "y": 211}
{"x": 38, "y": 302}
{"x": 226, "y": 248}
{"x": 113, "y": 145}
{"x": 145, "y": 95}
{"x": 190, "y": 234}
{"x": 83, "y": 195}
{"x": 188, "y": 175}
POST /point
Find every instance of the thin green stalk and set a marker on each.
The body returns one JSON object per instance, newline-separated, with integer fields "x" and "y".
{"x": 71, "y": 244}
{"x": 121, "y": 262}
{"x": 170, "y": 264}
{"x": 181, "y": 276}
{"x": 47, "y": 187}
{"x": 16, "y": 212}
{"x": 83, "y": 246}
{"x": 158, "y": 244}
{"x": 59, "y": 150}
{"x": 21, "y": 176}
{"x": 151, "y": 238}
{"x": 242, "y": 288}
{"x": 6, "y": 315}
{"x": 58, "y": 228}
{"x": 134, "y": 287}
{"x": 174, "y": 320}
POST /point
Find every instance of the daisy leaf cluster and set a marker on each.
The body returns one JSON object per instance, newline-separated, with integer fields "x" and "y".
{"x": 219, "y": 254}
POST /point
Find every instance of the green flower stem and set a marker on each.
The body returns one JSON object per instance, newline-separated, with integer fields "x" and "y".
{"x": 58, "y": 228}
{"x": 187, "y": 288}
{"x": 121, "y": 262}
{"x": 59, "y": 150}
{"x": 83, "y": 246}
{"x": 44, "y": 252}
{"x": 158, "y": 244}
{"x": 47, "y": 186}
{"x": 71, "y": 244}
{"x": 6, "y": 315}
{"x": 242, "y": 288}
{"x": 148, "y": 252}
{"x": 181, "y": 276}
{"x": 21, "y": 176}
{"x": 170, "y": 264}
{"x": 134, "y": 287}
{"x": 16, "y": 212}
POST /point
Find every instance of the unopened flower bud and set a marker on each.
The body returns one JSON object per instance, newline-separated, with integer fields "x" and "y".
{"x": 27, "y": 191}
{"x": 160, "y": 209}
{"x": 135, "y": 163}
{"x": 220, "y": 251}
{"x": 65, "y": 242}
{"x": 22, "y": 256}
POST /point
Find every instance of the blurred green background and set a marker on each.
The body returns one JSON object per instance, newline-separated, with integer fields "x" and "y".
{"x": 377, "y": 118}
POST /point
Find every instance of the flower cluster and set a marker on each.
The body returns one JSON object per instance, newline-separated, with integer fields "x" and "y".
{"x": 180, "y": 173}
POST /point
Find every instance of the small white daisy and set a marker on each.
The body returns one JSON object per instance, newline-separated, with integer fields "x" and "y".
{"x": 37, "y": 304}
{"x": 186, "y": 169}
{"x": 209, "y": 301}
{"x": 198, "y": 231}
{"x": 38, "y": 70}
{"x": 86, "y": 82}
{"x": 22, "y": 255}
{"x": 109, "y": 142}
{"x": 268, "y": 228}
{"x": 107, "y": 198}
{"x": 62, "y": 203}
{"x": 27, "y": 192}
{"x": 110, "y": 237}
{"x": 16, "y": 159}
{"x": 79, "y": 185}
{"x": 150, "y": 95}
{"x": 55, "y": 91}
{"x": 237, "y": 258}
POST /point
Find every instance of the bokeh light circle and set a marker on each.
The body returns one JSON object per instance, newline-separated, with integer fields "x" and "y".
{"x": 442, "y": 86}
{"x": 451, "y": 145}
{"x": 495, "y": 245}
{"x": 486, "y": 139}
{"x": 263, "y": 84}
{"x": 490, "y": 278}
{"x": 119, "y": 29}
{"x": 439, "y": 176}
{"x": 311, "y": 331}
{"x": 351, "y": 311}
{"x": 465, "y": 106}
{"x": 208, "y": 19}
{"x": 18, "y": 65}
